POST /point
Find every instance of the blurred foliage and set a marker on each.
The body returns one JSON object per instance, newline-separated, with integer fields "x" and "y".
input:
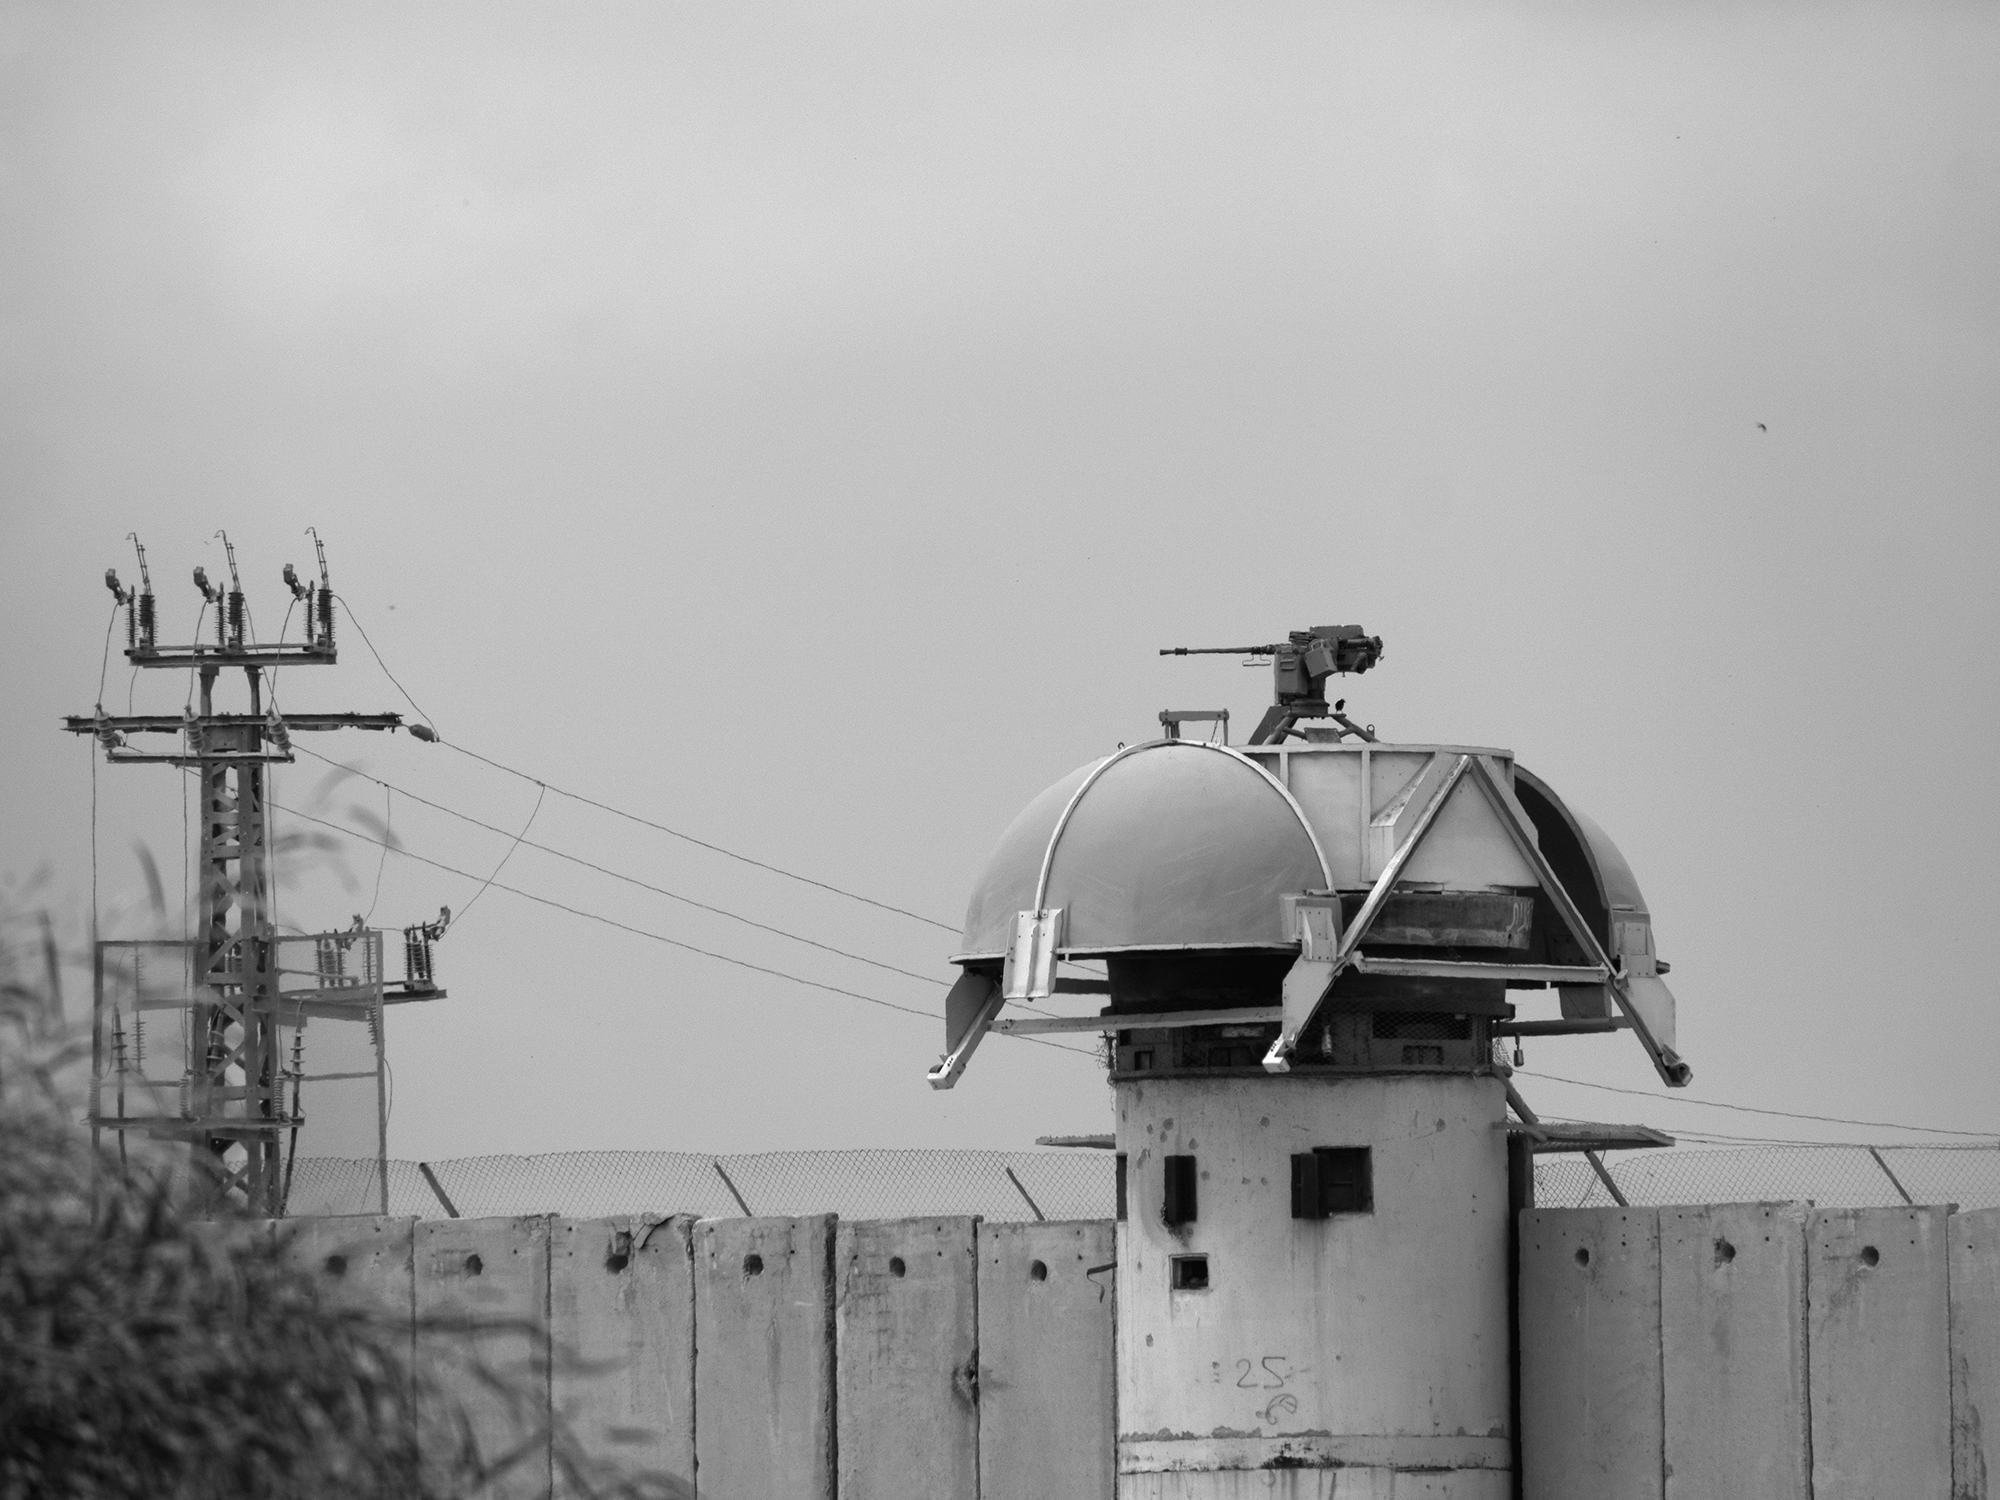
{"x": 148, "y": 1351}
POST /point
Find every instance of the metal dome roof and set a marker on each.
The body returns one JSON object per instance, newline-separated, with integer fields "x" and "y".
{"x": 1167, "y": 844}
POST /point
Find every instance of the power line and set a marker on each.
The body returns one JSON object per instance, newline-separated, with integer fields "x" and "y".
{"x": 1748, "y": 1109}
{"x": 703, "y": 843}
{"x": 384, "y": 665}
{"x": 617, "y": 812}
{"x": 634, "y": 880}
{"x": 642, "y": 932}
{"x": 519, "y": 839}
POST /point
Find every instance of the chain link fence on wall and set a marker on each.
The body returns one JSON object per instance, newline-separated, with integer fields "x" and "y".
{"x": 1826, "y": 1176}
{"x": 998, "y": 1185}
{"x": 1081, "y": 1184}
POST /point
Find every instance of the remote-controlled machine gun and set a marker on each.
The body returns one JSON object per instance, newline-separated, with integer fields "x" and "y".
{"x": 1300, "y": 667}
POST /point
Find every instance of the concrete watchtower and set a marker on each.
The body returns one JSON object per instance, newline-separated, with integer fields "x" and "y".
{"x": 1307, "y": 949}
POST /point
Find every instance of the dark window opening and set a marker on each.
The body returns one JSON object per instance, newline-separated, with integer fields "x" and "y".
{"x": 1188, "y": 1273}
{"x": 1121, "y": 1187}
{"x": 1142, "y": 1060}
{"x": 1178, "y": 1206}
{"x": 1332, "y": 1180}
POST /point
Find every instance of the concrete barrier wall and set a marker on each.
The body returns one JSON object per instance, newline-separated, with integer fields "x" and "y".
{"x": 1686, "y": 1353}
{"x": 1047, "y": 1385}
{"x": 621, "y": 1336}
{"x": 1836, "y": 1354}
{"x": 906, "y": 1330}
{"x": 1591, "y": 1412}
{"x": 1878, "y": 1316}
{"x": 764, "y": 1377}
{"x": 482, "y": 1302}
{"x": 1733, "y": 1355}
{"x": 1974, "y": 1268}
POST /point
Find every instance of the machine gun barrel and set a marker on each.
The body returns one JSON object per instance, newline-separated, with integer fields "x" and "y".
{"x": 1220, "y": 650}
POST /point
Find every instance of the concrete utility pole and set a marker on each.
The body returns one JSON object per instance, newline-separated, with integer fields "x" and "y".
{"x": 237, "y": 986}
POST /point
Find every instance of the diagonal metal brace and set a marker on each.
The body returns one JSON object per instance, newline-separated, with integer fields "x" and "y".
{"x": 1672, "y": 1068}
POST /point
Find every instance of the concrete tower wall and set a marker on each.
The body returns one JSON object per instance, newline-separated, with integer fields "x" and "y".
{"x": 1372, "y": 1345}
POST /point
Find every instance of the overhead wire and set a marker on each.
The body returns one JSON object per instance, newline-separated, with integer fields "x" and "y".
{"x": 356, "y": 623}
{"x": 618, "y": 812}
{"x": 104, "y": 667}
{"x": 535, "y": 812}
{"x": 388, "y": 833}
{"x": 632, "y": 880}
{"x": 1749, "y": 1109}
{"x": 654, "y": 936}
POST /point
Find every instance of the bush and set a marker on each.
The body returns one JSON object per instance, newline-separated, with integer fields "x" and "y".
{"x": 146, "y": 1352}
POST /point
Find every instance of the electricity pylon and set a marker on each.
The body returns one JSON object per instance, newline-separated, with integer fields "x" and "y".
{"x": 238, "y": 986}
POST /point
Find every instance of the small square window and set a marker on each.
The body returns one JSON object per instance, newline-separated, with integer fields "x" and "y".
{"x": 1178, "y": 1204}
{"x": 1332, "y": 1180}
{"x": 1188, "y": 1273}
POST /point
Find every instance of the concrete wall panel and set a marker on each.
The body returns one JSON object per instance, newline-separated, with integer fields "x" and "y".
{"x": 906, "y": 1331}
{"x": 482, "y": 1295}
{"x": 1733, "y": 1326}
{"x": 1880, "y": 1351}
{"x": 764, "y": 1381}
{"x": 1047, "y": 1383}
{"x": 621, "y": 1331}
{"x": 1591, "y": 1421}
{"x": 1975, "y": 1354}
{"x": 359, "y": 1262}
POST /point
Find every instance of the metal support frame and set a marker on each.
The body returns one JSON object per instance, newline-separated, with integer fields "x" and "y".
{"x": 1534, "y": 1129}
{"x": 1312, "y": 979}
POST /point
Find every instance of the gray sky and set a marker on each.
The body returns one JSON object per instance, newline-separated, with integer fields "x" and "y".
{"x": 802, "y": 424}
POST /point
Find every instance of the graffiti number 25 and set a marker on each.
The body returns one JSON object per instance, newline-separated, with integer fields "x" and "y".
{"x": 1265, "y": 1375}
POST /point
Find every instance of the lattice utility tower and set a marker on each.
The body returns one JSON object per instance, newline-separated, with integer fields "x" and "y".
{"x": 243, "y": 995}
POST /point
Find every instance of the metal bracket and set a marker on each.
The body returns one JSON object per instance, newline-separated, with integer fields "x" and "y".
{"x": 1030, "y": 971}
{"x": 1314, "y": 921}
{"x": 969, "y": 1012}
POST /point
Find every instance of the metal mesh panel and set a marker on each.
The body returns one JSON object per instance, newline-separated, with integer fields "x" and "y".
{"x": 1077, "y": 1184}
{"x": 1828, "y": 1176}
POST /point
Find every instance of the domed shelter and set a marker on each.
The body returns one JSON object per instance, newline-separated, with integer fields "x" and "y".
{"x": 1290, "y": 887}
{"x": 1169, "y": 845}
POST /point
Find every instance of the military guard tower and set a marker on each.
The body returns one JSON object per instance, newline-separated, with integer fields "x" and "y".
{"x": 1304, "y": 950}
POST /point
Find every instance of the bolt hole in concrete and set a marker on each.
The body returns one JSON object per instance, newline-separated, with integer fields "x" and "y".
{"x": 896, "y": 1266}
{"x": 753, "y": 1265}
{"x": 1870, "y": 1256}
{"x": 1038, "y": 1272}
{"x": 336, "y": 1265}
{"x": 1583, "y": 1257}
{"x": 474, "y": 1265}
{"x": 1724, "y": 1252}
{"x": 1189, "y": 1273}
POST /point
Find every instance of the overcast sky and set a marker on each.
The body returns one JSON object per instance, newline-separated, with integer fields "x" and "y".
{"x": 801, "y": 424}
